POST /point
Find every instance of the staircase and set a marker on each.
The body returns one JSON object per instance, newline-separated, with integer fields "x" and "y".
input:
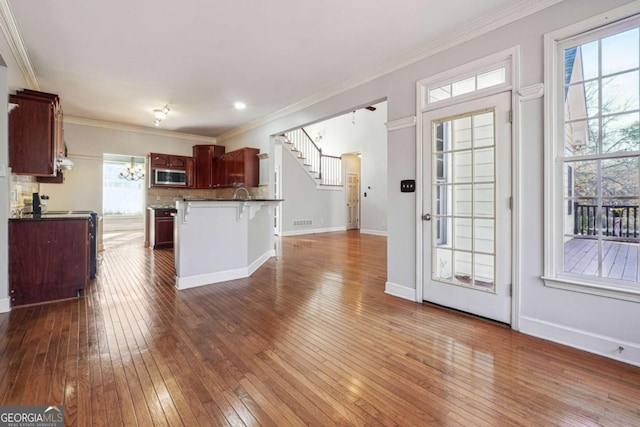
{"x": 325, "y": 170}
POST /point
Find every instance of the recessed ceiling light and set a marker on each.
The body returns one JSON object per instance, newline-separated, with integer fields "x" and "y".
{"x": 240, "y": 105}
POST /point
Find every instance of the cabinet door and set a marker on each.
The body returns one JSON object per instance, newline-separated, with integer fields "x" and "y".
{"x": 31, "y": 137}
{"x": 164, "y": 232}
{"x": 177, "y": 162}
{"x": 204, "y": 166}
{"x": 159, "y": 160}
{"x": 250, "y": 167}
{"x": 191, "y": 172}
{"x": 220, "y": 171}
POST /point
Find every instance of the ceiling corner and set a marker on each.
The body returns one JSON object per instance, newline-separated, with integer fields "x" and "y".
{"x": 14, "y": 40}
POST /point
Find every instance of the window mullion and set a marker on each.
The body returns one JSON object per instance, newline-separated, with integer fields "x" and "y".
{"x": 600, "y": 151}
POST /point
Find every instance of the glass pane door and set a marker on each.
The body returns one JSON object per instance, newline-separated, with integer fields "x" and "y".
{"x": 463, "y": 192}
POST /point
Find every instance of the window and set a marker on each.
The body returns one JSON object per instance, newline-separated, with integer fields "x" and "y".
{"x": 594, "y": 159}
{"x": 483, "y": 80}
{"x": 121, "y": 197}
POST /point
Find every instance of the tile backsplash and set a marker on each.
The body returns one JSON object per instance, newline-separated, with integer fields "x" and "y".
{"x": 168, "y": 196}
{"x": 21, "y": 189}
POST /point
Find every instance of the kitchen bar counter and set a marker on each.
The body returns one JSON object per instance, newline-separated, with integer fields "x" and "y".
{"x": 51, "y": 217}
{"x": 221, "y": 239}
{"x": 232, "y": 200}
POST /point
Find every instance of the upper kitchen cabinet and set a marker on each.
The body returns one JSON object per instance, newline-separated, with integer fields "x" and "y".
{"x": 204, "y": 156}
{"x": 35, "y": 133}
{"x": 169, "y": 161}
{"x": 239, "y": 167}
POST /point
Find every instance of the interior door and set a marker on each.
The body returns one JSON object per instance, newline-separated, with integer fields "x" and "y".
{"x": 467, "y": 207}
{"x": 353, "y": 201}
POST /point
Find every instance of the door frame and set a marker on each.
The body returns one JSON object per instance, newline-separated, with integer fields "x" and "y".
{"x": 512, "y": 58}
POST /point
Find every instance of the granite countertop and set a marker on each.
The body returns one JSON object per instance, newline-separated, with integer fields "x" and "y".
{"x": 51, "y": 217}
{"x": 232, "y": 200}
{"x": 161, "y": 206}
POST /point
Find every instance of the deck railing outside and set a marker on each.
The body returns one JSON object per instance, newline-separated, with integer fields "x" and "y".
{"x": 615, "y": 220}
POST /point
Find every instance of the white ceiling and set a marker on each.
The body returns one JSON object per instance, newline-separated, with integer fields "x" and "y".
{"x": 117, "y": 60}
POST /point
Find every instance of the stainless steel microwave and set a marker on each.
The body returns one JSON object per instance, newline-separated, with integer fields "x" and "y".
{"x": 170, "y": 177}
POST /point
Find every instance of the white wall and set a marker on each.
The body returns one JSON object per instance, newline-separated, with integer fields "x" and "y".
{"x": 82, "y": 189}
{"x": 302, "y": 201}
{"x": 4, "y": 192}
{"x": 368, "y": 135}
{"x": 585, "y": 321}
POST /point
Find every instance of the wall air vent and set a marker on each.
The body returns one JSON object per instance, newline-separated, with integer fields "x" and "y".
{"x": 302, "y": 222}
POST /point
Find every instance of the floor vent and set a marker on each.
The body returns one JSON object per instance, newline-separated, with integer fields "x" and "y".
{"x": 302, "y": 222}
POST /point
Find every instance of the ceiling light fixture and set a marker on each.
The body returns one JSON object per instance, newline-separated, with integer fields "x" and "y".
{"x": 240, "y": 105}
{"x": 160, "y": 115}
{"x": 133, "y": 172}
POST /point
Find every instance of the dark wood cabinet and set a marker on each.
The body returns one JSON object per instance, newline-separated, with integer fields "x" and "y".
{"x": 48, "y": 259}
{"x": 161, "y": 227}
{"x": 204, "y": 156}
{"x": 191, "y": 172}
{"x": 35, "y": 133}
{"x": 174, "y": 163}
{"x": 238, "y": 168}
{"x": 168, "y": 161}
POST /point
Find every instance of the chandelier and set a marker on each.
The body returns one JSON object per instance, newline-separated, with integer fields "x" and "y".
{"x": 132, "y": 172}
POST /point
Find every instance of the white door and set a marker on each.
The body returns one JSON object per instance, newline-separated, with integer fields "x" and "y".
{"x": 467, "y": 207}
{"x": 353, "y": 201}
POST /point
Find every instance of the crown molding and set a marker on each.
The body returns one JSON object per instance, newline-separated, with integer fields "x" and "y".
{"x": 19, "y": 50}
{"x": 469, "y": 31}
{"x": 402, "y": 123}
{"x": 138, "y": 129}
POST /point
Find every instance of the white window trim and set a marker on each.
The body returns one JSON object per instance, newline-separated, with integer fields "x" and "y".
{"x": 553, "y": 197}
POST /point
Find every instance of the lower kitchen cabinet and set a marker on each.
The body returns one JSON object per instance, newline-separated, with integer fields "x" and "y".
{"x": 48, "y": 259}
{"x": 161, "y": 227}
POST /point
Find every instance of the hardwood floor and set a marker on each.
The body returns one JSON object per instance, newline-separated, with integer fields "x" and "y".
{"x": 310, "y": 339}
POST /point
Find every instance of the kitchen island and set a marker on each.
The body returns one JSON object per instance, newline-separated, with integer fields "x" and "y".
{"x": 221, "y": 239}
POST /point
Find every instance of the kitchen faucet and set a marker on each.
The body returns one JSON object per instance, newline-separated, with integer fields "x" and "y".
{"x": 235, "y": 193}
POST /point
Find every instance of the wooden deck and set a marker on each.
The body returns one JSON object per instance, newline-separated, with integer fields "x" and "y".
{"x": 619, "y": 260}
{"x": 310, "y": 339}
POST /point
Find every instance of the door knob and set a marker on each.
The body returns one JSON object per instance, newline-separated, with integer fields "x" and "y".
{"x": 426, "y": 217}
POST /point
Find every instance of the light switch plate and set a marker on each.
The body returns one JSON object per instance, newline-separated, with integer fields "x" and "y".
{"x": 3, "y": 170}
{"x": 408, "y": 186}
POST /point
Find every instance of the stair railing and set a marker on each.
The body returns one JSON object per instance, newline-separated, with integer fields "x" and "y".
{"x": 327, "y": 168}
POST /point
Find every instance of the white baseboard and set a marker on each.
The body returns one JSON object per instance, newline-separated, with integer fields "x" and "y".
{"x": 5, "y": 305}
{"x": 582, "y": 340}
{"x": 312, "y": 231}
{"x": 374, "y": 232}
{"x": 223, "y": 276}
{"x": 400, "y": 291}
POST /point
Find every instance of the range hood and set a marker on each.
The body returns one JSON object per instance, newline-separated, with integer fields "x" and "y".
{"x": 63, "y": 163}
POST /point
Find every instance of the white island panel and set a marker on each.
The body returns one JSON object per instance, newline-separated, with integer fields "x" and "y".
{"x": 217, "y": 241}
